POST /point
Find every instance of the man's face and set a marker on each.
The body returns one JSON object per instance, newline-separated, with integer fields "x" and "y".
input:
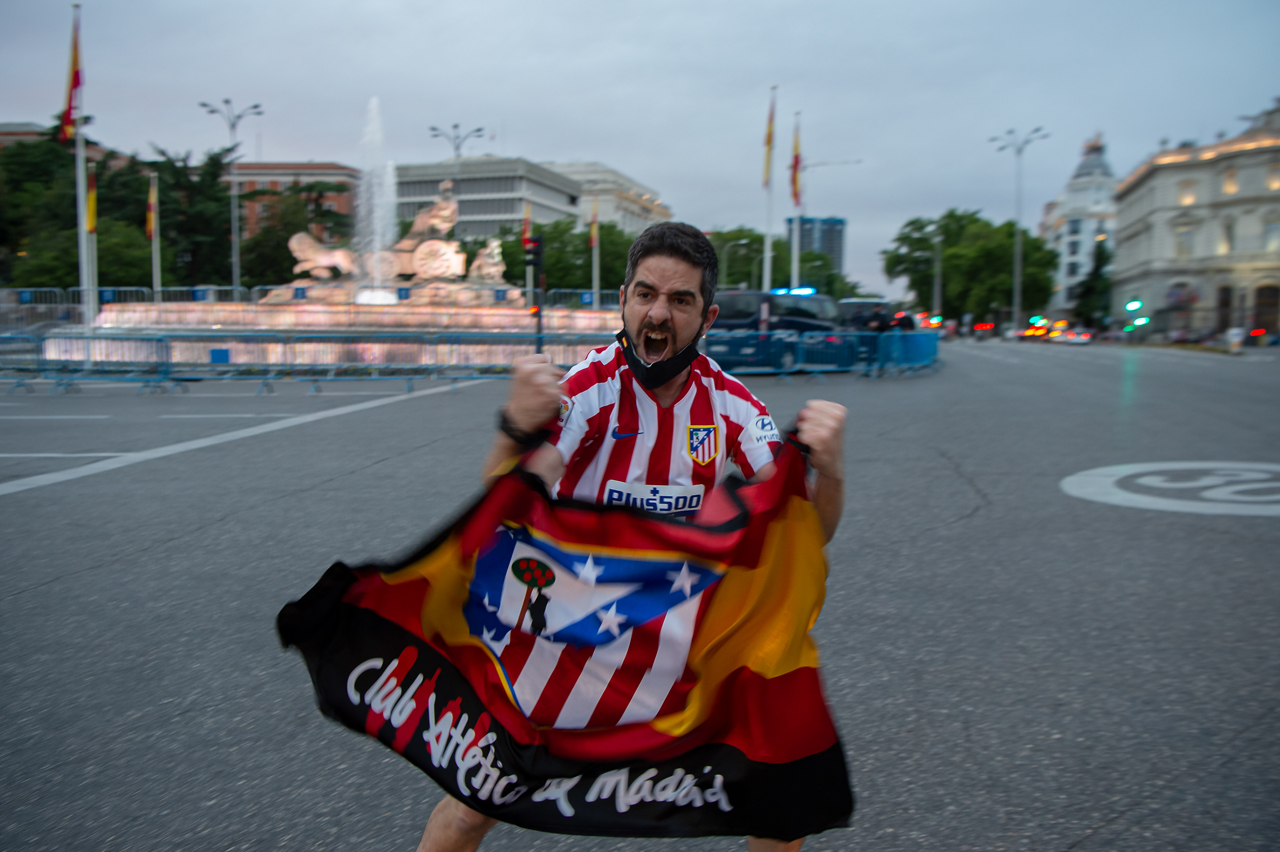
{"x": 662, "y": 309}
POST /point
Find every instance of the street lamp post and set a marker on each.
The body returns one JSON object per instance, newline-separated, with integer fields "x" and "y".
{"x": 456, "y": 137}
{"x": 937, "y": 273}
{"x": 1011, "y": 141}
{"x": 724, "y": 264}
{"x": 232, "y": 118}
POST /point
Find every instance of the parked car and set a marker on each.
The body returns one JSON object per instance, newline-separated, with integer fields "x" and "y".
{"x": 854, "y": 312}
{"x": 750, "y": 310}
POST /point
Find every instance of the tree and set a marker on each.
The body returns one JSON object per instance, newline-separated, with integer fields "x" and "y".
{"x": 977, "y": 263}
{"x": 566, "y": 255}
{"x": 52, "y": 259}
{"x": 265, "y": 256}
{"x": 195, "y": 216}
{"x": 1093, "y": 299}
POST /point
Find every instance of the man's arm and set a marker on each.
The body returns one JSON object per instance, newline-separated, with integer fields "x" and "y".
{"x": 820, "y": 426}
{"x": 534, "y": 399}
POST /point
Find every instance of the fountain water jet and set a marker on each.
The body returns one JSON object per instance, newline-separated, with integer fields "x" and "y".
{"x": 376, "y": 214}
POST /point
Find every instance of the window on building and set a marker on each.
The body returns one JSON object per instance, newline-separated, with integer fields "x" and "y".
{"x": 1073, "y": 247}
{"x": 1073, "y": 227}
{"x": 1187, "y": 193}
{"x": 1183, "y": 241}
{"x": 1073, "y": 269}
{"x": 1230, "y": 185}
{"x": 1227, "y": 242}
{"x": 1273, "y": 177}
{"x": 1271, "y": 236}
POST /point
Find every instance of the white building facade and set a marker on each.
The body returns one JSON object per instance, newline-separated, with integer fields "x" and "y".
{"x": 627, "y": 203}
{"x": 1198, "y": 237}
{"x": 1083, "y": 215}
{"x": 491, "y": 193}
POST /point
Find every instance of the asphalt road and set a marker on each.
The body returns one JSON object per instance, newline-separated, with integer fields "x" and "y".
{"x": 1011, "y": 668}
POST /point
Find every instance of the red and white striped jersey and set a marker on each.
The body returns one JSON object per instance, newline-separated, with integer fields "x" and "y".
{"x": 621, "y": 448}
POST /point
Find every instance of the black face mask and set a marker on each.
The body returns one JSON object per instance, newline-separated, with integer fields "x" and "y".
{"x": 657, "y": 374}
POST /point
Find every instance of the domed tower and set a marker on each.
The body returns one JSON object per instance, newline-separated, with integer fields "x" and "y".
{"x": 1083, "y": 215}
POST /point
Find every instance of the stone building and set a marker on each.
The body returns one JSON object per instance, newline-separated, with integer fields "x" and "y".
{"x": 1081, "y": 216}
{"x": 1198, "y": 236}
{"x": 627, "y": 203}
{"x": 491, "y": 192}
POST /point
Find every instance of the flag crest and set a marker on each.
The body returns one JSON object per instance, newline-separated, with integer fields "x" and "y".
{"x": 589, "y": 670}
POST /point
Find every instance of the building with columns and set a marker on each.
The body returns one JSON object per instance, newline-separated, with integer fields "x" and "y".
{"x": 627, "y": 203}
{"x": 1083, "y": 215}
{"x": 1198, "y": 236}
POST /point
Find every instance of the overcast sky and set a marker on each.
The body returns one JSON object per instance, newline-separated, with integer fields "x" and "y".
{"x": 675, "y": 94}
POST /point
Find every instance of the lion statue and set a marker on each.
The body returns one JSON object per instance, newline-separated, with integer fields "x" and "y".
{"x": 488, "y": 267}
{"x": 318, "y": 260}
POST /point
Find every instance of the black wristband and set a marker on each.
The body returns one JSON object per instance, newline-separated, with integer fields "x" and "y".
{"x": 526, "y": 440}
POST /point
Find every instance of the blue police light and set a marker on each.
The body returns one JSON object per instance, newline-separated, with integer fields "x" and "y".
{"x": 1142, "y": 320}
{"x": 803, "y": 291}
{"x": 1135, "y": 305}
{"x": 779, "y": 291}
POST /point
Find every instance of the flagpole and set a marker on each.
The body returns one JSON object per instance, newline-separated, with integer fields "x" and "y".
{"x": 766, "y": 277}
{"x": 595, "y": 254}
{"x": 795, "y": 217}
{"x": 153, "y": 214}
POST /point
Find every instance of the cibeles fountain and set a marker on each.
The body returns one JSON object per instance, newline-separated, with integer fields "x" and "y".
{"x": 422, "y": 267}
{"x": 381, "y": 281}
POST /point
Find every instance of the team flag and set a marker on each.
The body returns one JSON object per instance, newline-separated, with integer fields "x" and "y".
{"x": 91, "y": 203}
{"x": 768, "y": 138}
{"x": 795, "y": 166}
{"x": 578, "y": 669}
{"x": 595, "y": 222}
{"x": 153, "y": 203}
{"x": 75, "y": 79}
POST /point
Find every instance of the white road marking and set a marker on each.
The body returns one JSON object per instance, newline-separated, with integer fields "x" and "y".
{"x": 1223, "y": 490}
{"x": 16, "y": 485}
{"x": 208, "y": 416}
{"x": 59, "y": 455}
{"x": 55, "y": 416}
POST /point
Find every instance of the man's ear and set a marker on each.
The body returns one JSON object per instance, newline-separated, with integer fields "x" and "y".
{"x": 712, "y": 313}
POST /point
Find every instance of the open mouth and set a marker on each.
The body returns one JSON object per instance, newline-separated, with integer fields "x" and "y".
{"x": 655, "y": 345}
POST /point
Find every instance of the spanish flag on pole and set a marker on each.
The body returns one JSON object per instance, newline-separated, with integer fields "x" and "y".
{"x": 75, "y": 79}
{"x": 91, "y": 203}
{"x": 795, "y": 166}
{"x": 768, "y": 137}
{"x": 526, "y": 227}
{"x": 153, "y": 204}
{"x": 579, "y": 669}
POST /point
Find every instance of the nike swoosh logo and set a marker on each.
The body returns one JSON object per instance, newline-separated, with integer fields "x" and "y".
{"x": 616, "y": 436}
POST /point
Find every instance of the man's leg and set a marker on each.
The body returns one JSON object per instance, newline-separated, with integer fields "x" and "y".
{"x": 454, "y": 827}
{"x": 764, "y": 844}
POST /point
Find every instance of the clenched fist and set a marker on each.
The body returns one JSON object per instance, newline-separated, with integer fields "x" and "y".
{"x": 535, "y": 392}
{"x": 820, "y": 426}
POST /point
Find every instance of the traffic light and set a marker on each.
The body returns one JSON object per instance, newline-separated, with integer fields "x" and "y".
{"x": 1142, "y": 320}
{"x": 1134, "y": 305}
{"x": 533, "y": 251}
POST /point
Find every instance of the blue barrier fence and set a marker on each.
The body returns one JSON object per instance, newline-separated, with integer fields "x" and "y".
{"x": 169, "y": 360}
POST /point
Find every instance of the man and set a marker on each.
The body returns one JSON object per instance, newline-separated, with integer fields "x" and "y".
{"x": 649, "y": 421}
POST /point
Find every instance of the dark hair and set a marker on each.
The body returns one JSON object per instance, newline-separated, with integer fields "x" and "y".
{"x": 683, "y": 242}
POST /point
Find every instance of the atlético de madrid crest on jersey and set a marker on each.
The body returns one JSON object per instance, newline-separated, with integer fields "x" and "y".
{"x": 704, "y": 443}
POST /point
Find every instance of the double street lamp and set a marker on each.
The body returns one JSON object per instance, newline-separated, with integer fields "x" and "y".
{"x": 233, "y": 118}
{"x": 456, "y": 137}
{"x": 1011, "y": 141}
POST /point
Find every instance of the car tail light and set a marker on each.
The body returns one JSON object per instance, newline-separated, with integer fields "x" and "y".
{"x": 1086, "y": 335}
{"x": 1257, "y": 332}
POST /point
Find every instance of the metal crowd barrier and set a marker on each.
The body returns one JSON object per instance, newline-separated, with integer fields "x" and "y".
{"x": 170, "y": 361}
{"x": 818, "y": 352}
{"x": 581, "y": 299}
